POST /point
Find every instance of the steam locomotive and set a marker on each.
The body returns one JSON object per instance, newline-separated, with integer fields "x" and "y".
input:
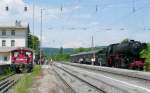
{"x": 119, "y": 55}
{"x": 22, "y": 60}
{"x": 125, "y": 55}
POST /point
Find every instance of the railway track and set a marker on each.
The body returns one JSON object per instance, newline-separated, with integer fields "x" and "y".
{"x": 76, "y": 84}
{"x": 108, "y": 83}
{"x": 70, "y": 89}
{"x": 8, "y": 82}
{"x": 138, "y": 78}
{"x": 7, "y": 76}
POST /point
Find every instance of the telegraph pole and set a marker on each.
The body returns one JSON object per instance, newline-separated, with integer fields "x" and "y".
{"x": 33, "y": 22}
{"x": 92, "y": 43}
{"x": 93, "y": 59}
{"x": 33, "y": 15}
{"x": 41, "y": 35}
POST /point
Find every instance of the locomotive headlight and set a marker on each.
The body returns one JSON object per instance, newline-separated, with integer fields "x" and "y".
{"x": 93, "y": 59}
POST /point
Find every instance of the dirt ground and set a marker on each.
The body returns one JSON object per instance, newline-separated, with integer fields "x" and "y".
{"x": 48, "y": 82}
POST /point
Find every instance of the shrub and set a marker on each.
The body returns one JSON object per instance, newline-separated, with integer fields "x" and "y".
{"x": 146, "y": 54}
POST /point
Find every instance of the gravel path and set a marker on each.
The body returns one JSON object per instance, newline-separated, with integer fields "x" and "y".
{"x": 48, "y": 82}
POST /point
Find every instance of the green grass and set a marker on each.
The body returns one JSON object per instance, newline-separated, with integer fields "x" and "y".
{"x": 26, "y": 81}
{"x": 6, "y": 73}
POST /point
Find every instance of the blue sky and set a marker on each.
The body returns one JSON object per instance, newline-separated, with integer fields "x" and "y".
{"x": 78, "y": 21}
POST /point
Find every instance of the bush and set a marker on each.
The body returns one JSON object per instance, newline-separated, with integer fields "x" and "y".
{"x": 7, "y": 71}
{"x": 147, "y": 66}
{"x": 146, "y": 54}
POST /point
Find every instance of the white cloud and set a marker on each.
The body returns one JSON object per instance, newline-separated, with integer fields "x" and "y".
{"x": 16, "y": 10}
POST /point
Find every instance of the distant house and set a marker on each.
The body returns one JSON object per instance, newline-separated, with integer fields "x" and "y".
{"x": 12, "y": 37}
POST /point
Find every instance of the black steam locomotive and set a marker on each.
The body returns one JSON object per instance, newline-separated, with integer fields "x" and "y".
{"x": 120, "y": 55}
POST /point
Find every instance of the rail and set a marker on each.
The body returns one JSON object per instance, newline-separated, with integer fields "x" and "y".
{"x": 71, "y": 90}
{"x": 89, "y": 87}
{"x": 123, "y": 72}
{"x": 107, "y": 84}
{"x": 8, "y": 82}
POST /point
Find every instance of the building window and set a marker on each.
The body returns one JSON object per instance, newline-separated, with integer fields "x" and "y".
{"x": 3, "y": 33}
{"x": 12, "y": 42}
{"x": 3, "y": 42}
{"x": 5, "y": 58}
{"x": 13, "y": 32}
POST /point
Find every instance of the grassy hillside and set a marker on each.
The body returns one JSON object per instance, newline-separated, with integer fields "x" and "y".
{"x": 54, "y": 51}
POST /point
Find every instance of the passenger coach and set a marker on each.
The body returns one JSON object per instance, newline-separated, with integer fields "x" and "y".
{"x": 97, "y": 57}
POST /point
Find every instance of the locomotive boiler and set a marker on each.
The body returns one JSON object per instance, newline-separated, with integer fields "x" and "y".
{"x": 129, "y": 48}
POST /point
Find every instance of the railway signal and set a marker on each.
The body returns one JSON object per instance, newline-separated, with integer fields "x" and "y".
{"x": 25, "y": 8}
{"x": 133, "y": 9}
{"x": 6, "y": 8}
{"x": 61, "y": 8}
{"x": 96, "y": 8}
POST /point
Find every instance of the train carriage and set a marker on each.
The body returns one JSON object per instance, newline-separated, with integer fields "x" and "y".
{"x": 97, "y": 56}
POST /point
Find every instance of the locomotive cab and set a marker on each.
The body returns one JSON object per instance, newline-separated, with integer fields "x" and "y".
{"x": 22, "y": 60}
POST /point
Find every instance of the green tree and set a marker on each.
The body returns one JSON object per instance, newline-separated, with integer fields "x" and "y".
{"x": 33, "y": 42}
{"x": 146, "y": 54}
{"x": 125, "y": 40}
{"x": 61, "y": 51}
{"x": 29, "y": 37}
{"x": 78, "y": 50}
{"x": 60, "y": 57}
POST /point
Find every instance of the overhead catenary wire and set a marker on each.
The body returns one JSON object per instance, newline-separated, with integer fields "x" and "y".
{"x": 61, "y": 8}
{"x": 134, "y": 10}
{"x": 98, "y": 5}
{"x": 33, "y": 15}
{"x": 133, "y": 6}
{"x": 96, "y": 8}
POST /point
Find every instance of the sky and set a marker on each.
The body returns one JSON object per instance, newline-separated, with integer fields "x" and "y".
{"x": 72, "y": 23}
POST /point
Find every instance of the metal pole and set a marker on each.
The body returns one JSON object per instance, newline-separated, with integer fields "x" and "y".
{"x": 92, "y": 43}
{"x": 33, "y": 45}
{"x": 33, "y": 14}
{"x": 93, "y": 51}
{"x": 41, "y": 36}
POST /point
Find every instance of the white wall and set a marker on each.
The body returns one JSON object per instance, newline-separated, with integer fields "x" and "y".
{"x": 20, "y": 37}
{"x": 19, "y": 42}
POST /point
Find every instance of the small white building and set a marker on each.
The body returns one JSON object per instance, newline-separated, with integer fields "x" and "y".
{"x": 12, "y": 37}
